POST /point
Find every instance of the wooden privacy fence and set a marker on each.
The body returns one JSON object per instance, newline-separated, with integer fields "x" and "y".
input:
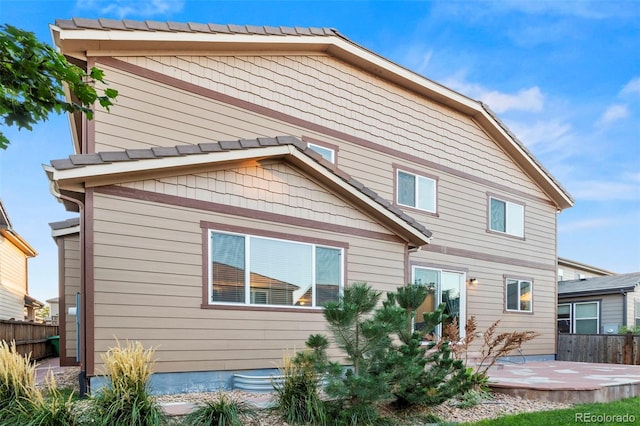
{"x": 601, "y": 348}
{"x": 30, "y": 337}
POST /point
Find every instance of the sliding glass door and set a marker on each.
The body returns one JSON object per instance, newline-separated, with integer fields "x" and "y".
{"x": 443, "y": 287}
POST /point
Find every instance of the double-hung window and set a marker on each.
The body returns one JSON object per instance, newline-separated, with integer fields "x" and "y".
{"x": 416, "y": 191}
{"x": 564, "y": 318}
{"x": 254, "y": 270}
{"x": 519, "y": 295}
{"x": 506, "y": 217}
{"x": 637, "y": 314}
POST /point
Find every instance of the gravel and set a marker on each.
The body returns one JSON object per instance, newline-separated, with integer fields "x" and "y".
{"x": 497, "y": 405}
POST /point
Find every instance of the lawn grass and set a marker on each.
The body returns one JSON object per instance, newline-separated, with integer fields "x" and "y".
{"x": 626, "y": 411}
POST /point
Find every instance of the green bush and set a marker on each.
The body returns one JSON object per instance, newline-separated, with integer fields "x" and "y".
{"x": 222, "y": 411}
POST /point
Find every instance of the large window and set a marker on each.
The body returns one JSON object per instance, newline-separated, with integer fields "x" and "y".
{"x": 443, "y": 287}
{"x": 579, "y": 317}
{"x": 416, "y": 191}
{"x": 637, "y": 314}
{"x": 519, "y": 295}
{"x": 506, "y": 217}
{"x": 247, "y": 269}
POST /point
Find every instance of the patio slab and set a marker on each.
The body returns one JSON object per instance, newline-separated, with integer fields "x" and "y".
{"x": 564, "y": 381}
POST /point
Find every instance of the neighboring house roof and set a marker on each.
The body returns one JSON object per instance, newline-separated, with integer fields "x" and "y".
{"x": 65, "y": 227}
{"x": 81, "y": 37}
{"x": 76, "y": 169}
{"x": 562, "y": 261}
{"x": 6, "y": 230}
{"x": 32, "y": 302}
{"x": 611, "y": 284}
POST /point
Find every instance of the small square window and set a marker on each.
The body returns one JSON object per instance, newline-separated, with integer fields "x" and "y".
{"x": 416, "y": 191}
{"x": 519, "y": 295}
{"x": 506, "y": 217}
{"x": 327, "y": 153}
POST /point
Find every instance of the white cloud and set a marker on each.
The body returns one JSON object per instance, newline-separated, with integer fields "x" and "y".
{"x": 632, "y": 87}
{"x": 544, "y": 135}
{"x": 125, "y": 8}
{"x": 531, "y": 99}
{"x": 613, "y": 113}
{"x": 592, "y": 190}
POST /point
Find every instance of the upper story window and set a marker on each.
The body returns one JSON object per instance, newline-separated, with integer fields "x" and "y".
{"x": 560, "y": 274}
{"x": 506, "y": 217}
{"x": 327, "y": 153}
{"x": 519, "y": 295}
{"x": 252, "y": 270}
{"x": 416, "y": 191}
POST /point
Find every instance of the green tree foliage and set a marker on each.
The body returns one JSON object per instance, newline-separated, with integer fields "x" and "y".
{"x": 32, "y": 78}
{"x": 389, "y": 360}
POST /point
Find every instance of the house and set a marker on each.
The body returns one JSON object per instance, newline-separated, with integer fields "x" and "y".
{"x": 599, "y": 305}
{"x": 298, "y": 157}
{"x": 571, "y": 270}
{"x": 15, "y": 302}
{"x": 54, "y": 310}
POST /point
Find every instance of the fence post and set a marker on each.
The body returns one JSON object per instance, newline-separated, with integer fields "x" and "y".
{"x": 628, "y": 348}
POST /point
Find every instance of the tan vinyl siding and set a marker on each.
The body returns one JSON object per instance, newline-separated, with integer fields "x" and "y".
{"x": 486, "y": 300}
{"x": 148, "y": 282}
{"x": 323, "y": 90}
{"x": 147, "y": 121}
{"x": 71, "y": 286}
{"x": 13, "y": 280}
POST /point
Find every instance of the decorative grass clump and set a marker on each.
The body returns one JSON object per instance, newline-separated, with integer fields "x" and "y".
{"x": 55, "y": 409}
{"x": 221, "y": 411}
{"x": 298, "y": 397}
{"x": 126, "y": 401}
{"x": 17, "y": 376}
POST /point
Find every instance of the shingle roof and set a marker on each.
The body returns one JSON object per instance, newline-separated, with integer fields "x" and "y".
{"x": 188, "y": 27}
{"x": 5, "y": 223}
{"x": 607, "y": 284}
{"x": 84, "y": 160}
{"x": 69, "y": 223}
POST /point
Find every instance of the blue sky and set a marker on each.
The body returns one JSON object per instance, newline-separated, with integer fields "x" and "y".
{"x": 563, "y": 75}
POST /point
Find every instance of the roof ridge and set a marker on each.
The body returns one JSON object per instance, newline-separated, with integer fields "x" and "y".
{"x": 107, "y": 24}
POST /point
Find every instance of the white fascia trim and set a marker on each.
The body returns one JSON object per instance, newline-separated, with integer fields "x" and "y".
{"x": 65, "y": 231}
{"x": 150, "y": 164}
{"x": 357, "y": 194}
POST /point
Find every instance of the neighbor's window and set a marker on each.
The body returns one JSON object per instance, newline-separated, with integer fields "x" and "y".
{"x": 328, "y": 153}
{"x": 519, "y": 294}
{"x": 506, "y": 217}
{"x": 416, "y": 191}
{"x": 252, "y": 270}
{"x": 637, "y": 314}
{"x": 587, "y": 318}
{"x": 564, "y": 318}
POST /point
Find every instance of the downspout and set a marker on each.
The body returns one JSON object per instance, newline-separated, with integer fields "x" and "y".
{"x": 624, "y": 308}
{"x": 82, "y": 376}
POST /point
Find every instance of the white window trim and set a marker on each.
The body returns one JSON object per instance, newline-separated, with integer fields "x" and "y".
{"x": 506, "y": 295}
{"x": 417, "y": 190}
{"x": 463, "y": 298}
{"x": 507, "y": 203}
{"x": 570, "y": 305}
{"x": 247, "y": 281}
{"x": 575, "y": 319}
{"x": 324, "y": 148}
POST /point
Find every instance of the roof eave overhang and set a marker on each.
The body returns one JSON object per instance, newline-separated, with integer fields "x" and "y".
{"x": 600, "y": 292}
{"x": 82, "y": 43}
{"x": 19, "y": 242}
{"x": 74, "y": 179}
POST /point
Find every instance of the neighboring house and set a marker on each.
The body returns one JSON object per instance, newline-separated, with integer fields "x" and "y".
{"x": 572, "y": 270}
{"x": 205, "y": 234}
{"x": 599, "y": 305}
{"x": 15, "y": 302}
{"x": 54, "y": 310}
